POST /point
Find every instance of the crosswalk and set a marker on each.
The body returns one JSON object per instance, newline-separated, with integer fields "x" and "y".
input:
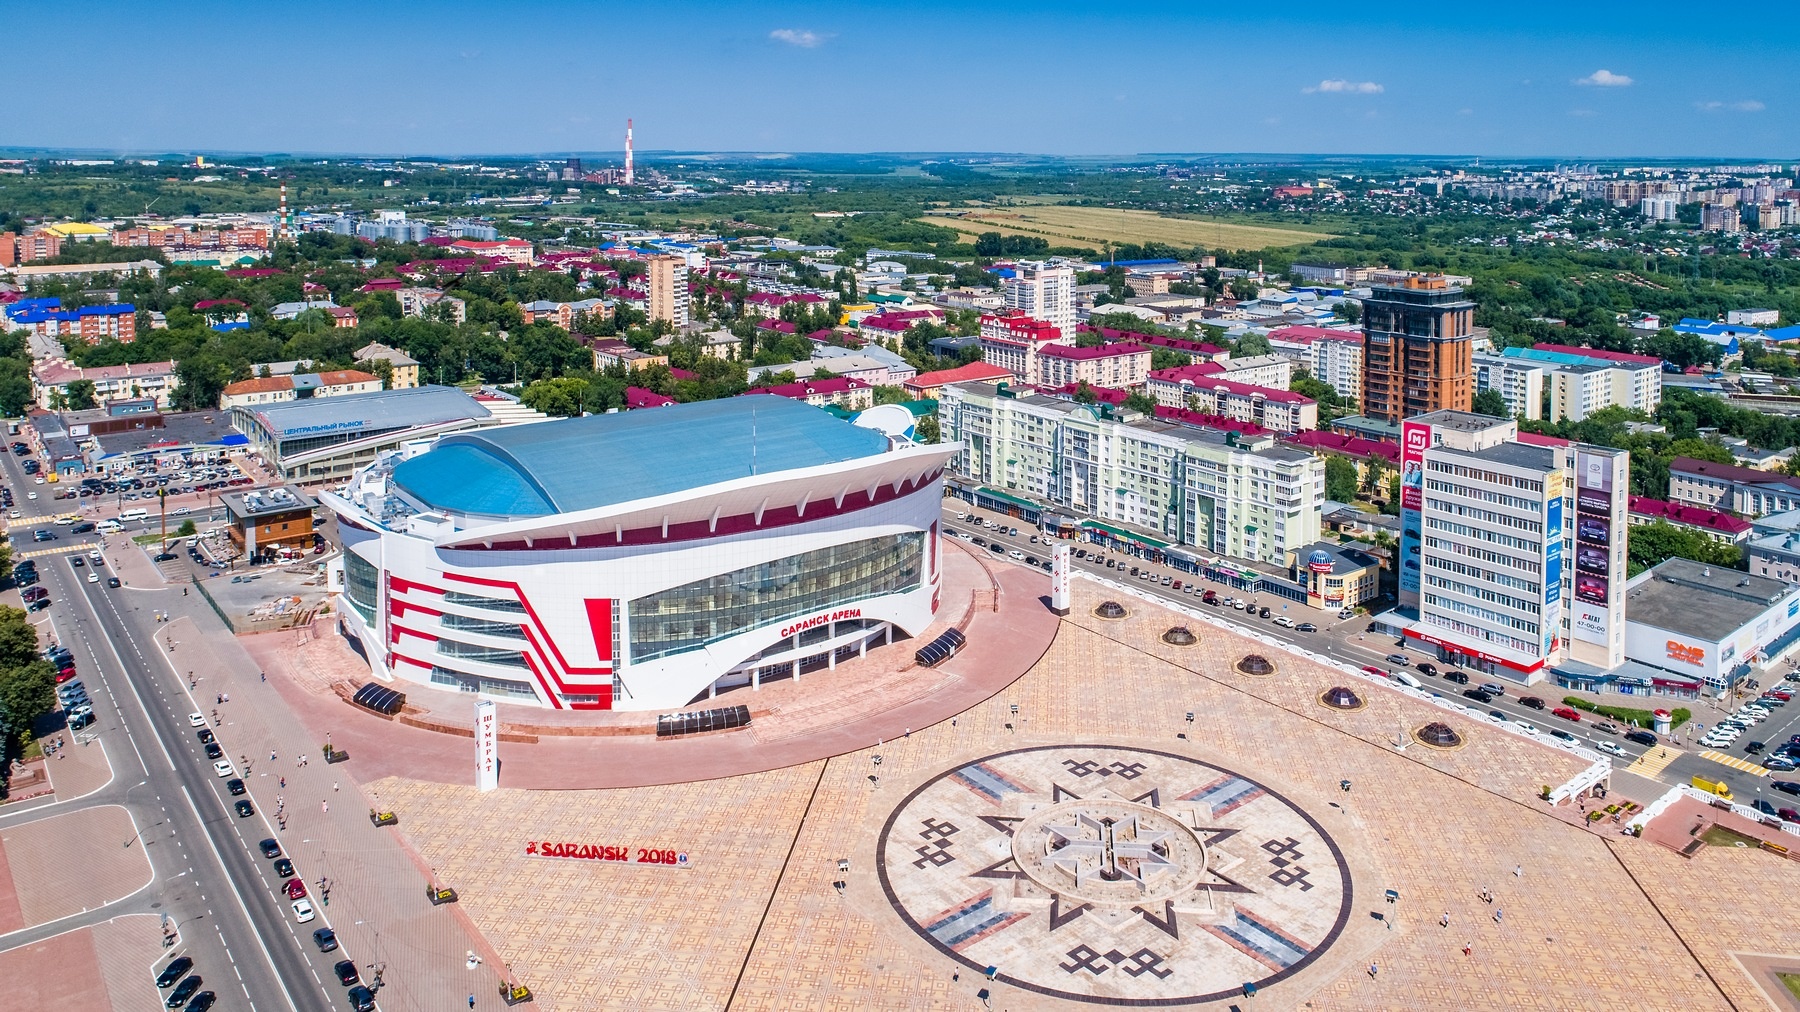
{"x": 1652, "y": 763}
{"x": 1734, "y": 762}
{"x": 77, "y": 546}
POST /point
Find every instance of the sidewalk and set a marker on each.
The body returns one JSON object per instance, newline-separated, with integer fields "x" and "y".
{"x": 378, "y": 904}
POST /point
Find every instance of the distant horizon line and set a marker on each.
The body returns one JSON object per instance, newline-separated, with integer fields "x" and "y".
{"x": 618, "y": 154}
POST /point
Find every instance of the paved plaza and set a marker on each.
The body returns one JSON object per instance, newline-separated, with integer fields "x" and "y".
{"x": 753, "y": 918}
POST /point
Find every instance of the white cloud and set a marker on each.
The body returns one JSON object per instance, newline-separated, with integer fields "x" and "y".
{"x": 1604, "y": 79}
{"x": 802, "y": 37}
{"x": 1346, "y": 87}
{"x": 1748, "y": 105}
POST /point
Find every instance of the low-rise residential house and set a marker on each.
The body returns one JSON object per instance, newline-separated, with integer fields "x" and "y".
{"x": 429, "y": 302}
{"x": 405, "y": 367}
{"x": 838, "y": 391}
{"x": 153, "y": 380}
{"x": 516, "y": 251}
{"x": 297, "y": 386}
{"x": 289, "y": 310}
{"x": 564, "y": 314}
{"x": 610, "y": 351}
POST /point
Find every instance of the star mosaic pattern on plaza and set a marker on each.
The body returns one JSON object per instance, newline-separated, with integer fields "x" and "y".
{"x": 1114, "y": 875}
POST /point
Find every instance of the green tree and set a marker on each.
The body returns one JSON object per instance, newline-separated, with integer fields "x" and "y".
{"x": 1701, "y": 449}
{"x": 1490, "y": 402}
{"x": 561, "y": 396}
{"x": 1373, "y": 466}
{"x": 926, "y": 429}
{"x": 1350, "y": 310}
{"x": 1392, "y": 506}
{"x": 1084, "y": 394}
{"x": 1142, "y": 403}
{"x": 1648, "y": 545}
{"x": 81, "y": 395}
{"x": 1251, "y": 344}
{"x": 187, "y": 529}
{"x": 1340, "y": 478}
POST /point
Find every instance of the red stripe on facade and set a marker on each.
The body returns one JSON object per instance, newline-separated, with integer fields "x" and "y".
{"x": 402, "y": 584}
{"x": 599, "y": 612}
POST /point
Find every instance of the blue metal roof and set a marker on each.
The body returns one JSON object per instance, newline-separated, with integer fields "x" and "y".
{"x": 601, "y": 460}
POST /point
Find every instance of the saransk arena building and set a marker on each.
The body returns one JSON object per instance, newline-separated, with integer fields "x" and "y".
{"x": 640, "y": 560}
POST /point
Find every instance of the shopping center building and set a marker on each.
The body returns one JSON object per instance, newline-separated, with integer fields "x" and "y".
{"x": 640, "y": 560}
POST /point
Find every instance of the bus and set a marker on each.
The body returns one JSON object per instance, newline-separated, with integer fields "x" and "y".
{"x": 135, "y": 513}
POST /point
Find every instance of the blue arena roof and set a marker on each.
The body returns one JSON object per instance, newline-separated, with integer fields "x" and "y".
{"x": 601, "y": 460}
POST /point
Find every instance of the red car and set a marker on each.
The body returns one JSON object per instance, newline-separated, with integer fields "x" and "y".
{"x": 1566, "y": 714}
{"x": 1781, "y": 694}
{"x": 1371, "y": 669}
{"x": 64, "y": 675}
{"x": 296, "y": 889}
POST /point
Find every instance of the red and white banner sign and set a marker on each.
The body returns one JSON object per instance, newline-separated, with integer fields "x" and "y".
{"x": 612, "y": 854}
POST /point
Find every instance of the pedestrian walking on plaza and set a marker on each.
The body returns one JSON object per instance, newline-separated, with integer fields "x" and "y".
{"x": 334, "y": 788}
{"x": 1373, "y": 969}
{"x": 325, "y": 806}
{"x": 1468, "y": 949}
{"x": 284, "y": 783}
{"x": 1497, "y": 913}
{"x": 471, "y": 1001}
{"x": 1518, "y": 871}
{"x": 271, "y": 755}
{"x": 1486, "y": 896}
{"x": 1445, "y": 920}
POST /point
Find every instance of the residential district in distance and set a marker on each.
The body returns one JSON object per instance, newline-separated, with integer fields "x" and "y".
{"x": 734, "y": 586}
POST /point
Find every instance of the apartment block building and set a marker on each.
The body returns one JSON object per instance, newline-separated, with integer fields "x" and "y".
{"x": 1012, "y": 339}
{"x": 1111, "y": 365}
{"x": 1044, "y": 292}
{"x": 668, "y": 282}
{"x": 1581, "y": 381}
{"x": 153, "y": 380}
{"x": 1274, "y": 409}
{"x": 1333, "y": 357}
{"x": 1519, "y": 381}
{"x": 1221, "y": 492}
{"x": 1417, "y": 348}
{"x": 89, "y": 323}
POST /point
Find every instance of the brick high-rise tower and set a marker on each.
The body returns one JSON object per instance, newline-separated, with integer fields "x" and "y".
{"x": 1417, "y": 349}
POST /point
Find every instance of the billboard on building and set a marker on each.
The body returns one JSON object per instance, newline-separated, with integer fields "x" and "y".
{"x": 1599, "y": 564}
{"x": 1415, "y": 439}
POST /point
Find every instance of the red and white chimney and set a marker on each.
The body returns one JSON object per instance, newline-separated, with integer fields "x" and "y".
{"x": 629, "y": 178}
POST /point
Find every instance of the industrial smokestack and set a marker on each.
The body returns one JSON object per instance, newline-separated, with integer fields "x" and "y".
{"x": 629, "y": 178}
{"x": 282, "y": 228}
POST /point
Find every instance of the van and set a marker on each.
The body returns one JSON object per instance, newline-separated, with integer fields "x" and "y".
{"x": 109, "y": 527}
{"x": 1405, "y": 679}
{"x": 1718, "y": 787}
{"x": 135, "y": 513}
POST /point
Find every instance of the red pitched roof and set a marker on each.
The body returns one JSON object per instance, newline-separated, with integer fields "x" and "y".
{"x": 638, "y": 397}
{"x": 800, "y": 389}
{"x": 1070, "y": 351}
{"x": 1692, "y": 516}
{"x": 1352, "y": 446}
{"x": 1307, "y": 335}
{"x": 1201, "y": 420}
{"x": 1104, "y": 395}
{"x": 961, "y": 374}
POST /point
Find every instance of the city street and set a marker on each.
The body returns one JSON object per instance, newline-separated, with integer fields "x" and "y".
{"x": 151, "y": 655}
{"x": 1349, "y": 641}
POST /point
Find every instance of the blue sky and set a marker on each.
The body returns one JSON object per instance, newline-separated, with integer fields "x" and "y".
{"x": 521, "y": 76}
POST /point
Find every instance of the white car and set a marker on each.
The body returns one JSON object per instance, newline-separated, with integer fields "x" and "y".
{"x": 39, "y": 479}
{"x": 93, "y": 577}
{"x": 1283, "y": 621}
{"x": 95, "y": 555}
{"x": 1016, "y": 555}
{"x": 31, "y": 495}
{"x": 224, "y": 768}
{"x": 15, "y": 515}
{"x": 1519, "y": 725}
{"x": 303, "y": 910}
{"x": 64, "y": 521}
{"x": 182, "y": 512}
{"x": 1610, "y": 748}
{"x": 196, "y": 720}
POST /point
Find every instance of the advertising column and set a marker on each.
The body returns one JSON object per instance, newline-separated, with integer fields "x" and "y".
{"x": 1551, "y": 622}
{"x": 1597, "y": 612}
{"x": 487, "y": 746}
{"x": 1415, "y": 439}
{"x": 1059, "y": 578}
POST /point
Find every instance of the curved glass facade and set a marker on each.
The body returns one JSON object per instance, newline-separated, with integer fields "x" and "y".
{"x": 479, "y": 601}
{"x": 465, "y": 623}
{"x": 362, "y": 585}
{"x": 693, "y": 615}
